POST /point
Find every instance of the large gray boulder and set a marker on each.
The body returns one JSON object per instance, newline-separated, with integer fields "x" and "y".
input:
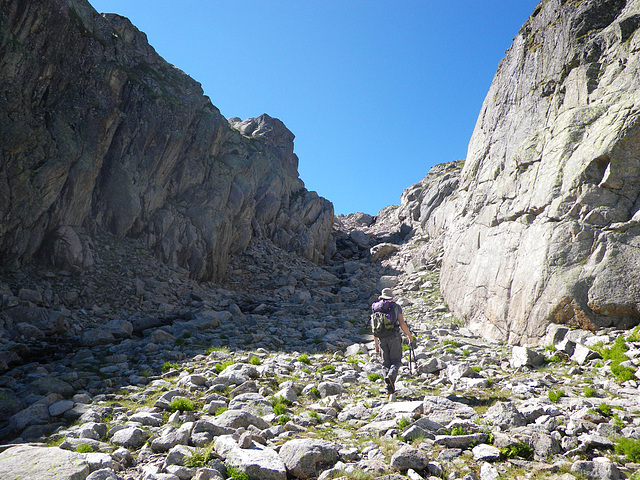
{"x": 306, "y": 457}
{"x": 409, "y": 457}
{"x": 239, "y": 419}
{"x": 26, "y": 462}
{"x": 256, "y": 461}
{"x": 442, "y": 410}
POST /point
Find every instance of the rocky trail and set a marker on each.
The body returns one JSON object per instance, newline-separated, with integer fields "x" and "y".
{"x": 129, "y": 370}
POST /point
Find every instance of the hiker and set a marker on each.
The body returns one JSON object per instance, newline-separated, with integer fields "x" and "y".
{"x": 388, "y": 340}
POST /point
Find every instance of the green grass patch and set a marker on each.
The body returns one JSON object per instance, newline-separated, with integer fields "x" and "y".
{"x": 201, "y": 457}
{"x": 520, "y": 449}
{"x": 182, "y": 404}
{"x": 221, "y": 410}
{"x": 623, "y": 374}
{"x": 404, "y": 423}
{"x": 169, "y": 366}
{"x": 629, "y": 447}
{"x": 589, "y": 392}
{"x": 605, "y": 409}
{"x": 555, "y": 395}
{"x": 236, "y": 474}
{"x": 327, "y": 368}
{"x": 279, "y": 405}
{"x": 254, "y": 360}
{"x": 304, "y": 358}
{"x": 219, "y": 367}
{"x": 374, "y": 376}
{"x": 455, "y": 431}
{"x": 84, "y": 448}
{"x": 617, "y": 354}
{"x": 634, "y": 336}
{"x": 217, "y": 349}
{"x": 283, "y": 419}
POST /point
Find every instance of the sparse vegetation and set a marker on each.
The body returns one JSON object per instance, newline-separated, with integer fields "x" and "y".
{"x": 84, "y": 448}
{"x": 219, "y": 367}
{"x": 236, "y": 474}
{"x": 521, "y": 449}
{"x": 182, "y": 404}
{"x": 169, "y": 366}
{"x": 283, "y": 419}
{"x": 555, "y": 395}
{"x": 404, "y": 423}
{"x": 221, "y": 410}
{"x": 200, "y": 457}
{"x": 458, "y": 430}
{"x": 304, "y": 358}
{"x": 211, "y": 350}
{"x": 616, "y": 353}
{"x": 605, "y": 409}
{"x": 630, "y": 447}
{"x": 254, "y": 360}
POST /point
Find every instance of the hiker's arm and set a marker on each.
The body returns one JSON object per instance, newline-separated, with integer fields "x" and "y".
{"x": 404, "y": 327}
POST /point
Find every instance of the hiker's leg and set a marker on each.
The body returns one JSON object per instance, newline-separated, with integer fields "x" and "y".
{"x": 386, "y": 347}
{"x": 385, "y": 350}
{"x": 395, "y": 357}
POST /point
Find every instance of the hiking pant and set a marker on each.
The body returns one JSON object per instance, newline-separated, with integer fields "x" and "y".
{"x": 391, "y": 349}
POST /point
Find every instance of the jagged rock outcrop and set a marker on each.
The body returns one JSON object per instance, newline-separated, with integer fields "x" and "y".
{"x": 546, "y": 224}
{"x": 98, "y": 132}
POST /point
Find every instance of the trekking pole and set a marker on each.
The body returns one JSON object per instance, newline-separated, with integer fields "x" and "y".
{"x": 412, "y": 353}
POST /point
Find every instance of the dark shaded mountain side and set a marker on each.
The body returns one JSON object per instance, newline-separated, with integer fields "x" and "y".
{"x": 98, "y": 132}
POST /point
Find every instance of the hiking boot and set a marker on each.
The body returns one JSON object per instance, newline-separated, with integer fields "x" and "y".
{"x": 390, "y": 386}
{"x": 392, "y": 397}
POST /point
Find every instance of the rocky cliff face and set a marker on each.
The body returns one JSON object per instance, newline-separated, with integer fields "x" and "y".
{"x": 544, "y": 226}
{"x": 98, "y": 132}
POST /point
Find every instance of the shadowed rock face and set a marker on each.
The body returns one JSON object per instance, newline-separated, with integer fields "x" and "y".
{"x": 547, "y": 226}
{"x": 98, "y": 132}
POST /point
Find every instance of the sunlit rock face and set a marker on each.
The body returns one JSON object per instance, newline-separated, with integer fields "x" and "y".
{"x": 546, "y": 226}
{"x": 99, "y": 133}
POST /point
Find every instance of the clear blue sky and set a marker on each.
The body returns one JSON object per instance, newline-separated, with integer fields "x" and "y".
{"x": 375, "y": 91}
